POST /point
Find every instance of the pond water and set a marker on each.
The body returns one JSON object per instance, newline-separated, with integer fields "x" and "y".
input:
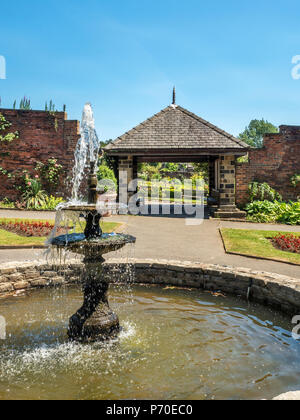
{"x": 175, "y": 344}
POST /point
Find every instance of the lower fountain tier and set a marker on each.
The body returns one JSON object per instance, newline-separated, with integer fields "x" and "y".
{"x": 93, "y": 248}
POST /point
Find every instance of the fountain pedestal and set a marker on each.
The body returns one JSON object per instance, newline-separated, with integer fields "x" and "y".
{"x": 95, "y": 320}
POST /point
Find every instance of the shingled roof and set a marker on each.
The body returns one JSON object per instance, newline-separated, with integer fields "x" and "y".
{"x": 176, "y": 128}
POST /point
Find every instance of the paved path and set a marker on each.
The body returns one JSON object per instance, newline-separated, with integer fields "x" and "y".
{"x": 17, "y": 214}
{"x": 171, "y": 238}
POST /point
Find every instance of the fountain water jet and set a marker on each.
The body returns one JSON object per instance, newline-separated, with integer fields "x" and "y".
{"x": 94, "y": 320}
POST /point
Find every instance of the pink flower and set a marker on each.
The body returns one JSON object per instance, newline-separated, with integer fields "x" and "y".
{"x": 36, "y": 177}
{"x": 29, "y": 184}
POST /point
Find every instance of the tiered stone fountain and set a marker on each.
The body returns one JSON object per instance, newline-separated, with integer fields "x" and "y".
{"x": 94, "y": 320}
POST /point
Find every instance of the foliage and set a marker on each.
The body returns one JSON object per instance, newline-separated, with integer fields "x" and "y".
{"x": 7, "y": 204}
{"x": 105, "y": 143}
{"x": 50, "y": 107}
{"x": 274, "y": 212}
{"x": 25, "y": 104}
{"x": 49, "y": 174}
{"x": 171, "y": 167}
{"x": 289, "y": 242}
{"x": 149, "y": 171}
{"x": 243, "y": 159}
{"x": 263, "y": 191}
{"x": 4, "y": 126}
{"x": 295, "y": 180}
{"x": 201, "y": 171}
{"x": 105, "y": 173}
{"x": 255, "y": 132}
{"x": 34, "y": 196}
{"x": 35, "y": 188}
{"x": 51, "y": 202}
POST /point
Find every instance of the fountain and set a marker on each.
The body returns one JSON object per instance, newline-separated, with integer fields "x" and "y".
{"x": 94, "y": 320}
{"x": 179, "y": 340}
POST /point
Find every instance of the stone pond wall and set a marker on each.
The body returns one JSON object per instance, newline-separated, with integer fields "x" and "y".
{"x": 42, "y": 135}
{"x": 275, "y": 164}
{"x": 277, "y": 291}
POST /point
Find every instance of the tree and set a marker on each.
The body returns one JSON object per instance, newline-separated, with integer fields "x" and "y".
{"x": 255, "y": 132}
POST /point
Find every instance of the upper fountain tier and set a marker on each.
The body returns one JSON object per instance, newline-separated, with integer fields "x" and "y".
{"x": 92, "y": 242}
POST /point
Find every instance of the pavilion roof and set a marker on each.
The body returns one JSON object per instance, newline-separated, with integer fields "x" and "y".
{"x": 176, "y": 128}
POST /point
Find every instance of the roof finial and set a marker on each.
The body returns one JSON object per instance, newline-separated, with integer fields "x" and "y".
{"x": 174, "y": 96}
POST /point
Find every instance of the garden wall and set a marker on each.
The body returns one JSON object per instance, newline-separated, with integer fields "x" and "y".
{"x": 275, "y": 164}
{"x": 43, "y": 135}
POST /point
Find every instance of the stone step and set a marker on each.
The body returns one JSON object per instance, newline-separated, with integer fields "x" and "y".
{"x": 230, "y": 215}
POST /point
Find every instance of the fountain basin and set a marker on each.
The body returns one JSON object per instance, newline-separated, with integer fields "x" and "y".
{"x": 175, "y": 344}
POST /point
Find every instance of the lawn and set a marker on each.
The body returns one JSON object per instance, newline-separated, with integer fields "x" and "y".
{"x": 256, "y": 243}
{"x": 12, "y": 239}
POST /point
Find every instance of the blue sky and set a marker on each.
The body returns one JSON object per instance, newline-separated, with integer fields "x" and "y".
{"x": 230, "y": 60}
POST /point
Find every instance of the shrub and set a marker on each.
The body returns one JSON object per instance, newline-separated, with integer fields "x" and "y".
{"x": 6, "y": 203}
{"x": 171, "y": 167}
{"x": 274, "y": 212}
{"x": 34, "y": 196}
{"x": 52, "y": 202}
{"x": 49, "y": 174}
{"x": 263, "y": 191}
{"x": 295, "y": 180}
{"x": 105, "y": 173}
{"x": 148, "y": 171}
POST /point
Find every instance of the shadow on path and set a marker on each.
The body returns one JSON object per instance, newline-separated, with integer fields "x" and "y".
{"x": 174, "y": 211}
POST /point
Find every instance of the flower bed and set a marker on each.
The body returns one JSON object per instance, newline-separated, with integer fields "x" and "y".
{"x": 290, "y": 243}
{"x": 30, "y": 229}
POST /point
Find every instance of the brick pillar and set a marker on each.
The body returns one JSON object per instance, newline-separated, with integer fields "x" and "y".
{"x": 228, "y": 207}
{"x": 125, "y": 177}
{"x": 227, "y": 181}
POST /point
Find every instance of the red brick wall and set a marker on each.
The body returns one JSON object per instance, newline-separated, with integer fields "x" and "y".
{"x": 275, "y": 164}
{"x": 42, "y": 136}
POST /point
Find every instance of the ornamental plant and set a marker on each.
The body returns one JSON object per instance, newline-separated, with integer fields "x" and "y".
{"x": 295, "y": 180}
{"x": 4, "y": 135}
{"x": 274, "y": 212}
{"x": 49, "y": 173}
{"x": 105, "y": 173}
{"x": 263, "y": 191}
{"x": 289, "y": 242}
{"x": 34, "y": 196}
{"x": 29, "y": 228}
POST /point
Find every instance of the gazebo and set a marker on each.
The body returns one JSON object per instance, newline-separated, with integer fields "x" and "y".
{"x": 177, "y": 135}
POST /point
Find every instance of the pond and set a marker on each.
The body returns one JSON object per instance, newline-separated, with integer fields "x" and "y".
{"x": 175, "y": 344}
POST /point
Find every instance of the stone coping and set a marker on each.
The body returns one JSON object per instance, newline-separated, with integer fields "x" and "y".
{"x": 277, "y": 291}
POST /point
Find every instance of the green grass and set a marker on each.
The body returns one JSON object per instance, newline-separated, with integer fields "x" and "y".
{"x": 256, "y": 243}
{"x": 12, "y": 239}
